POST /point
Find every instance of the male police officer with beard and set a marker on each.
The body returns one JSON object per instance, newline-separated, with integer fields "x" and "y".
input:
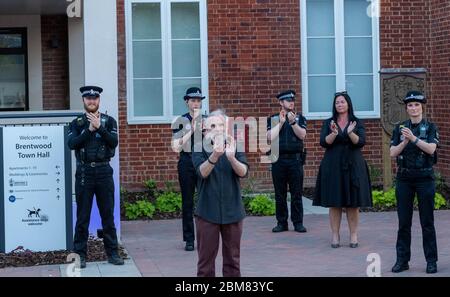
{"x": 290, "y": 129}
{"x": 93, "y": 136}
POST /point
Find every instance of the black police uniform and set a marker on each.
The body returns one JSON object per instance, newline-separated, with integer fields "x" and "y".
{"x": 288, "y": 170}
{"x": 187, "y": 176}
{"x": 415, "y": 176}
{"x": 94, "y": 176}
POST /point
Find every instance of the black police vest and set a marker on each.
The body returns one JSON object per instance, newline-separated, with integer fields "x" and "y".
{"x": 95, "y": 149}
{"x": 289, "y": 142}
{"x": 413, "y": 157}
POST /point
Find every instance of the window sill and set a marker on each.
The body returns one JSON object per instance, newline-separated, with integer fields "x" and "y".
{"x": 150, "y": 121}
{"x": 326, "y": 115}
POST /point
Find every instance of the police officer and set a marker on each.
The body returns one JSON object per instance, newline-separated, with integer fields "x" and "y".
{"x": 414, "y": 143}
{"x": 289, "y": 128}
{"x": 184, "y": 129}
{"x": 93, "y": 136}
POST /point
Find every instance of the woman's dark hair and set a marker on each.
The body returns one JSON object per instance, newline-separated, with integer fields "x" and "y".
{"x": 351, "y": 113}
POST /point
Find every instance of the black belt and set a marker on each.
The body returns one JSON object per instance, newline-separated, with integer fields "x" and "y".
{"x": 93, "y": 164}
{"x": 291, "y": 156}
{"x": 403, "y": 169}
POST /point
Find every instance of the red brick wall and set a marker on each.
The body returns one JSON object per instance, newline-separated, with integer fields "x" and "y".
{"x": 440, "y": 84}
{"x": 55, "y": 63}
{"x": 253, "y": 52}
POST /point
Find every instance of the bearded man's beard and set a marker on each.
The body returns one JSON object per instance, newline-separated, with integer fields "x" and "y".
{"x": 91, "y": 108}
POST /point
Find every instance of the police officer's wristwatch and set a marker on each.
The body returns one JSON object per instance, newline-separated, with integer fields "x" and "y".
{"x": 294, "y": 123}
{"x": 416, "y": 141}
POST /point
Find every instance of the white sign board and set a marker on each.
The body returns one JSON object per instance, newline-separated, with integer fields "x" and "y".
{"x": 36, "y": 214}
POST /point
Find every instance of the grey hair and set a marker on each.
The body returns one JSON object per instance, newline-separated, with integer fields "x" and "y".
{"x": 218, "y": 112}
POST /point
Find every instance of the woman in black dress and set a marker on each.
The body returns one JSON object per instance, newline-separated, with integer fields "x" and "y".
{"x": 343, "y": 179}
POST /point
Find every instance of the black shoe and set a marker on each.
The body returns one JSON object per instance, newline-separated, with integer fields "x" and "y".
{"x": 299, "y": 228}
{"x": 115, "y": 259}
{"x": 335, "y": 245}
{"x": 353, "y": 245}
{"x": 280, "y": 228}
{"x": 431, "y": 267}
{"x": 400, "y": 266}
{"x": 82, "y": 262}
{"x": 189, "y": 246}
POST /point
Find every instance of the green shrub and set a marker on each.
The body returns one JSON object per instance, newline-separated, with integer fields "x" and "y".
{"x": 168, "y": 202}
{"x": 246, "y": 200}
{"x": 384, "y": 199}
{"x": 170, "y": 186}
{"x": 151, "y": 185}
{"x": 140, "y": 208}
{"x": 440, "y": 182}
{"x": 262, "y": 205}
{"x": 388, "y": 199}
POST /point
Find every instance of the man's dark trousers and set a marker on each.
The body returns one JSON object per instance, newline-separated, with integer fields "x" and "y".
{"x": 288, "y": 171}
{"x": 98, "y": 181}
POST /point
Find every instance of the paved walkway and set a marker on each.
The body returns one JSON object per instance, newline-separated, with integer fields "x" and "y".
{"x": 156, "y": 249}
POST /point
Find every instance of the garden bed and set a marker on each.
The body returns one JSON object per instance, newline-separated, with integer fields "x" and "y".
{"x": 157, "y": 204}
{"x": 21, "y": 257}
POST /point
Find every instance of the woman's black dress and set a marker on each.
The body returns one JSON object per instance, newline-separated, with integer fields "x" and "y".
{"x": 343, "y": 179}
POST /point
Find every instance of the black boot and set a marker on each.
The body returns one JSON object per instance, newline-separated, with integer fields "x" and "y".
{"x": 115, "y": 259}
{"x": 400, "y": 266}
{"x": 280, "y": 228}
{"x": 431, "y": 267}
{"x": 82, "y": 262}
{"x": 299, "y": 228}
{"x": 189, "y": 246}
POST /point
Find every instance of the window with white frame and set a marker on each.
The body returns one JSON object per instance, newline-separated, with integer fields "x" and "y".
{"x": 340, "y": 51}
{"x": 166, "y": 54}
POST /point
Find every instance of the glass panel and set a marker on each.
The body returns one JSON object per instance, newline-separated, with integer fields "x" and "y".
{"x": 360, "y": 89}
{"x": 185, "y": 20}
{"x": 179, "y": 90}
{"x": 10, "y": 41}
{"x": 12, "y": 81}
{"x": 320, "y": 93}
{"x": 321, "y": 56}
{"x": 356, "y": 19}
{"x": 320, "y": 17}
{"x": 148, "y": 97}
{"x": 186, "y": 58}
{"x": 147, "y": 59}
{"x": 146, "y": 21}
{"x": 358, "y": 55}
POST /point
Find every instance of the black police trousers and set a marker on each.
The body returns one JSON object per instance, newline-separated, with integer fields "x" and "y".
{"x": 408, "y": 185}
{"x": 284, "y": 172}
{"x": 188, "y": 181}
{"x": 98, "y": 181}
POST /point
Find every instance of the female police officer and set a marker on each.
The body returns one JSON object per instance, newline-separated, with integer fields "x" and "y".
{"x": 184, "y": 129}
{"x": 414, "y": 144}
